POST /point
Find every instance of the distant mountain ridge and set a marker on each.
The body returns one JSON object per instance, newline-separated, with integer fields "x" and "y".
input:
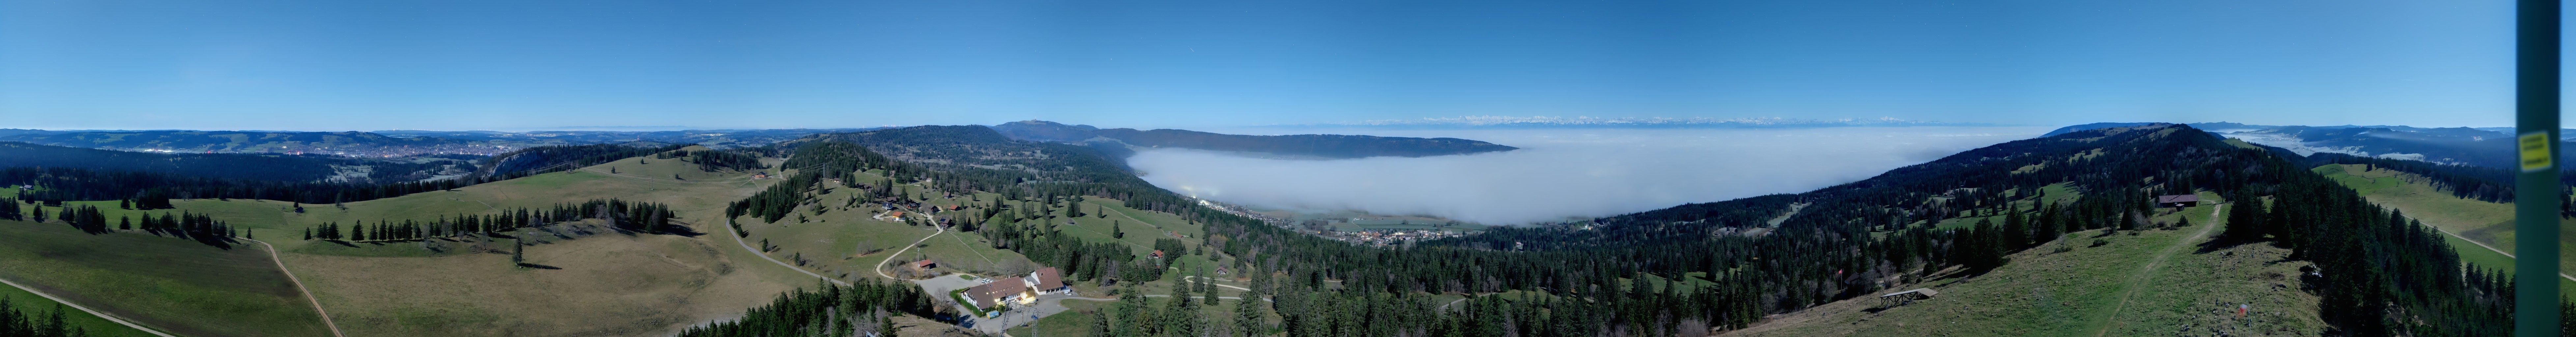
{"x": 191, "y": 141}
{"x": 2481, "y": 147}
{"x": 390, "y": 143}
{"x": 1328, "y": 146}
{"x": 1507, "y": 122}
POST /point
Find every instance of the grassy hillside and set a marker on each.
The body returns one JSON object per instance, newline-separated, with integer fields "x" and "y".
{"x": 174, "y": 285}
{"x": 852, "y": 240}
{"x": 607, "y": 285}
{"x": 643, "y": 284}
{"x": 592, "y": 281}
{"x": 2469, "y": 221}
{"x": 2109, "y": 290}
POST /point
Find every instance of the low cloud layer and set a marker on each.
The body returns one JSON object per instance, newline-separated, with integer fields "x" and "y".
{"x": 1562, "y": 174}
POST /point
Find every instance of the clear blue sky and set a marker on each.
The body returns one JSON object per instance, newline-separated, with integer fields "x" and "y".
{"x": 395, "y": 64}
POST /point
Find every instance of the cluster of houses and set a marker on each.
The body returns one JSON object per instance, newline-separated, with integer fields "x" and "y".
{"x": 1388, "y": 237}
{"x": 1238, "y": 210}
{"x": 1018, "y": 290}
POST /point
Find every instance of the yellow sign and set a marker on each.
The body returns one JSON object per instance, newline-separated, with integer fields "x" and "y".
{"x": 2536, "y": 154}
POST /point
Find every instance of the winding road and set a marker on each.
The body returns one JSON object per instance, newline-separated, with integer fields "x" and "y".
{"x": 880, "y": 268}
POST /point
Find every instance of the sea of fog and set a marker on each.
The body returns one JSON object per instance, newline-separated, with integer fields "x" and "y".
{"x": 1560, "y": 174}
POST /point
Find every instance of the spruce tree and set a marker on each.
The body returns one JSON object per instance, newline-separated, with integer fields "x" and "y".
{"x": 2016, "y": 229}
{"x": 1248, "y": 320}
{"x": 2244, "y": 217}
{"x": 1100, "y": 324}
{"x": 519, "y": 252}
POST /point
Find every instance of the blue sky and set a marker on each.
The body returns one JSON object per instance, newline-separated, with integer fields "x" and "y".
{"x": 369, "y": 65}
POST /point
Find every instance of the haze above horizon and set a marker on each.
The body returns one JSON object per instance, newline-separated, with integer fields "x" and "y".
{"x": 491, "y": 65}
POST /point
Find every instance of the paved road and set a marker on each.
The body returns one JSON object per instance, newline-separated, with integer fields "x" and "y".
{"x": 880, "y": 268}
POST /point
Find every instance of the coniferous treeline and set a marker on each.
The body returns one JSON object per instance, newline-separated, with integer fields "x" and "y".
{"x": 199, "y": 227}
{"x": 58, "y": 184}
{"x": 716, "y": 160}
{"x": 86, "y": 218}
{"x": 1079, "y": 259}
{"x": 644, "y": 217}
{"x": 89, "y": 219}
{"x": 858, "y": 309}
{"x": 15, "y": 323}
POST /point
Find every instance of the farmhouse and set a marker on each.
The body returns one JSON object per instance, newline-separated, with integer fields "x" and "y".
{"x": 1047, "y": 281}
{"x": 1020, "y": 290}
{"x": 2178, "y": 201}
{"x": 1000, "y": 291}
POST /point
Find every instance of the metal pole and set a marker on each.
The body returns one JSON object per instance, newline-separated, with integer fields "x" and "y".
{"x": 2536, "y": 191}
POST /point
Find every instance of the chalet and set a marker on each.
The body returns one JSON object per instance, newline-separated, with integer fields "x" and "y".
{"x": 925, "y": 264}
{"x": 1047, "y": 281}
{"x": 1021, "y": 290}
{"x": 998, "y": 292}
{"x": 2178, "y": 201}
{"x": 1158, "y": 253}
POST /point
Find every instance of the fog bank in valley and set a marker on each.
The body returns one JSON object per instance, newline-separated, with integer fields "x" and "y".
{"x": 1563, "y": 173}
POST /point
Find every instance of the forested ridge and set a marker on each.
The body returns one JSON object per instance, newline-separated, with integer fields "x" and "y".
{"x": 2379, "y": 273}
{"x": 958, "y": 159}
{"x": 65, "y": 174}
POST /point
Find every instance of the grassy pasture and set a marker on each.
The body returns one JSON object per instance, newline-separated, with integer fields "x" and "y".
{"x": 38, "y": 306}
{"x": 2468, "y": 219}
{"x": 2090, "y": 291}
{"x": 174, "y": 285}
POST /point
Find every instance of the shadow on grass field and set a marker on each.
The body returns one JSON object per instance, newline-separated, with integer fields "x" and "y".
{"x": 174, "y": 285}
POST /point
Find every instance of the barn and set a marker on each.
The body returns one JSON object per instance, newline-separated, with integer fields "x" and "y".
{"x": 2178, "y": 201}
